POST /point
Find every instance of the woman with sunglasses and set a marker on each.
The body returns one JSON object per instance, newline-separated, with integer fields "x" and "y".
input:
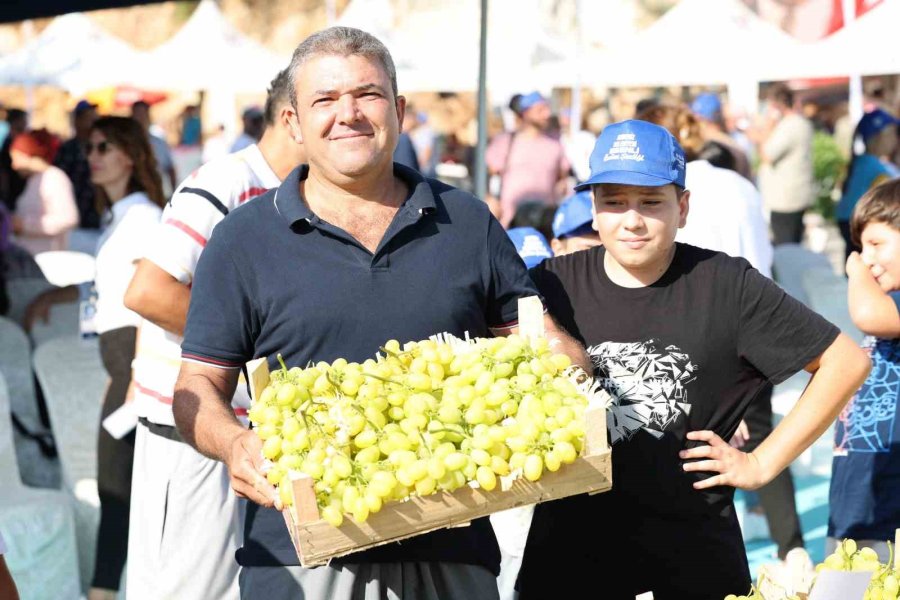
{"x": 129, "y": 195}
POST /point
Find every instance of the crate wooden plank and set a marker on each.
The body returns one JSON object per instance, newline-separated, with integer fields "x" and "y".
{"x": 319, "y": 542}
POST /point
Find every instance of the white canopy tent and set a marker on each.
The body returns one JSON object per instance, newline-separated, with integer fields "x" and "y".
{"x": 208, "y": 53}
{"x": 864, "y": 47}
{"x": 72, "y": 53}
{"x": 695, "y": 42}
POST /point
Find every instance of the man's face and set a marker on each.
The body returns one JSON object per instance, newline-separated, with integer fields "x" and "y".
{"x": 637, "y": 224}
{"x": 347, "y": 117}
{"x": 538, "y": 115}
{"x": 84, "y": 121}
{"x": 881, "y": 253}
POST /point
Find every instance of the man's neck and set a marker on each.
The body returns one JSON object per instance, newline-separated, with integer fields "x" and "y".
{"x": 380, "y": 187}
{"x": 279, "y": 152}
{"x": 530, "y": 130}
{"x": 637, "y": 277}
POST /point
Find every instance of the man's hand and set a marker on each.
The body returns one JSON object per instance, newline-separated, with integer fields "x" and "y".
{"x": 735, "y": 468}
{"x": 245, "y": 469}
{"x": 741, "y": 436}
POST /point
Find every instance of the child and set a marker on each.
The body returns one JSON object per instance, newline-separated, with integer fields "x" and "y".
{"x": 683, "y": 339}
{"x": 572, "y": 225}
{"x": 865, "y": 479}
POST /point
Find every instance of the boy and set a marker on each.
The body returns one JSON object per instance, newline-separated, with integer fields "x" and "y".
{"x": 865, "y": 478}
{"x": 683, "y": 339}
{"x": 572, "y": 225}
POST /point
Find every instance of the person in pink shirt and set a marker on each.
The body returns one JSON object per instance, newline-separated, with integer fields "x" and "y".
{"x": 45, "y": 210}
{"x": 528, "y": 164}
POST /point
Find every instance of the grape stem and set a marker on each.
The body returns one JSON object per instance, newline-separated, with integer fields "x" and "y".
{"x": 281, "y": 360}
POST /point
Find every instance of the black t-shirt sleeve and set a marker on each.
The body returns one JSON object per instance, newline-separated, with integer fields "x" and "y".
{"x": 509, "y": 279}
{"x": 219, "y": 328}
{"x": 777, "y": 334}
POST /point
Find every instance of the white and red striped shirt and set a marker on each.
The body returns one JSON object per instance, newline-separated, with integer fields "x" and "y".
{"x": 196, "y": 207}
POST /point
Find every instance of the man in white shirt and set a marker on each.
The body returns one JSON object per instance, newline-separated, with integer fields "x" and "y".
{"x": 185, "y": 521}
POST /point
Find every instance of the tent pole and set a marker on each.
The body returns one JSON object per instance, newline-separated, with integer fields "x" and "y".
{"x": 575, "y": 109}
{"x": 480, "y": 182}
{"x": 855, "y": 100}
{"x": 28, "y": 31}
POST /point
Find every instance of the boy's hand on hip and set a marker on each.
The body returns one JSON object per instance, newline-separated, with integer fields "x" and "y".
{"x": 733, "y": 467}
{"x": 245, "y": 470}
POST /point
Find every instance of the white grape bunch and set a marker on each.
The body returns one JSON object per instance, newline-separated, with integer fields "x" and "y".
{"x": 419, "y": 418}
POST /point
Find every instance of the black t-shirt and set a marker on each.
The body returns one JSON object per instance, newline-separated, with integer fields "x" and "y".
{"x": 687, "y": 353}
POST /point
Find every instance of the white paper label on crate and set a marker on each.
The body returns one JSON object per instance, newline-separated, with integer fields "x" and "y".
{"x": 121, "y": 421}
{"x": 840, "y": 585}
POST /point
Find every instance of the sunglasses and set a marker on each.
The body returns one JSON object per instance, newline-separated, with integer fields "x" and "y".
{"x": 103, "y": 147}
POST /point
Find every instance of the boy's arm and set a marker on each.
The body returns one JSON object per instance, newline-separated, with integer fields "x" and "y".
{"x": 837, "y": 374}
{"x": 873, "y": 311}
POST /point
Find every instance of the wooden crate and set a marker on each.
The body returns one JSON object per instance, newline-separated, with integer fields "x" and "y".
{"x": 317, "y": 542}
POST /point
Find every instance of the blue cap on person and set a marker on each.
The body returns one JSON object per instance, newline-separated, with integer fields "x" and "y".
{"x": 874, "y": 122}
{"x": 531, "y": 245}
{"x": 83, "y": 106}
{"x": 636, "y": 153}
{"x": 529, "y": 100}
{"x": 707, "y": 106}
{"x": 574, "y": 214}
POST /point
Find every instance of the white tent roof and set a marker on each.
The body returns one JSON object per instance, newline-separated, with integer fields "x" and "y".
{"x": 73, "y": 53}
{"x": 695, "y": 42}
{"x": 864, "y": 47}
{"x": 209, "y": 53}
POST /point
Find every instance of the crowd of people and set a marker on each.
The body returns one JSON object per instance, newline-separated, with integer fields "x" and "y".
{"x": 322, "y": 232}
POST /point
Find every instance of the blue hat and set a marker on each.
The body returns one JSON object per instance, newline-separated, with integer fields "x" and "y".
{"x": 84, "y": 106}
{"x": 530, "y": 244}
{"x": 707, "y": 106}
{"x": 573, "y": 214}
{"x": 529, "y": 100}
{"x": 636, "y": 153}
{"x": 874, "y": 122}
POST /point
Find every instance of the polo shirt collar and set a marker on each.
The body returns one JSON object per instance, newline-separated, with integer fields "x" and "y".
{"x": 293, "y": 207}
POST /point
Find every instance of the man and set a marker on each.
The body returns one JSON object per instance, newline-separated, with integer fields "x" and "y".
{"x": 786, "y": 172}
{"x": 140, "y": 112}
{"x": 185, "y": 522}
{"x": 72, "y": 159}
{"x": 683, "y": 339}
{"x": 530, "y": 165}
{"x": 708, "y": 108}
{"x": 348, "y": 252}
{"x": 253, "y": 128}
{"x": 573, "y": 228}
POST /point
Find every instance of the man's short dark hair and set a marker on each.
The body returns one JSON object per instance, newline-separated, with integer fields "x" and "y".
{"x": 278, "y": 95}
{"x": 140, "y": 104}
{"x": 880, "y": 204}
{"x": 514, "y": 104}
{"x": 780, "y": 93}
{"x": 645, "y": 104}
{"x": 15, "y": 114}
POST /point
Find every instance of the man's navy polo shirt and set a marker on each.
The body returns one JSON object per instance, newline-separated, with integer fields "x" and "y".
{"x": 275, "y": 278}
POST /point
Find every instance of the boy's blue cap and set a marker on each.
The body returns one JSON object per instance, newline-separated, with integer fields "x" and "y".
{"x": 707, "y": 106}
{"x": 636, "y": 153}
{"x": 573, "y": 214}
{"x": 874, "y": 122}
{"x": 529, "y": 100}
{"x": 530, "y": 244}
{"x": 84, "y": 106}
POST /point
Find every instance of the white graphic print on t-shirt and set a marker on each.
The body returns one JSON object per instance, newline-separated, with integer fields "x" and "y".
{"x": 647, "y": 385}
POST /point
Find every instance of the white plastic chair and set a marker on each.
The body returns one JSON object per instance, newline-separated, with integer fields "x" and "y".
{"x": 66, "y": 267}
{"x": 63, "y": 322}
{"x": 15, "y": 366}
{"x": 37, "y": 525}
{"x": 21, "y": 292}
{"x": 73, "y": 380}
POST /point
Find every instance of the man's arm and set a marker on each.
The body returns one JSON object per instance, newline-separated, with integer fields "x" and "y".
{"x": 560, "y": 341}
{"x": 203, "y": 415}
{"x": 836, "y": 375}
{"x": 158, "y": 297}
{"x": 873, "y": 311}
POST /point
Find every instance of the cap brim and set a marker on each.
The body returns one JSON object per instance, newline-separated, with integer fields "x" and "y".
{"x": 624, "y": 178}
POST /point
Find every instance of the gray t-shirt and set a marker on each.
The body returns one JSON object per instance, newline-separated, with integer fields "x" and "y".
{"x": 786, "y": 182}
